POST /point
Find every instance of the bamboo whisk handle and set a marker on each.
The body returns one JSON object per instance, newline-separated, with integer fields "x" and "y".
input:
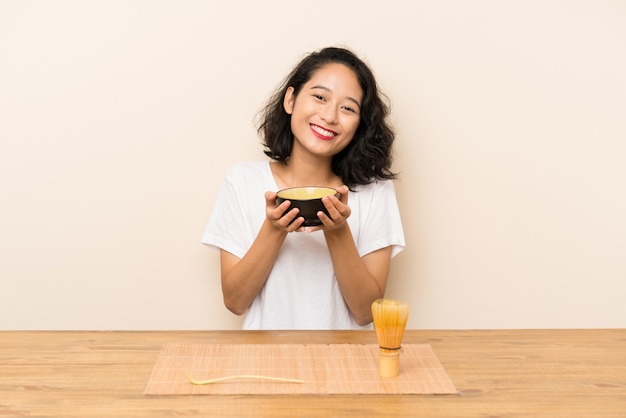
{"x": 389, "y": 363}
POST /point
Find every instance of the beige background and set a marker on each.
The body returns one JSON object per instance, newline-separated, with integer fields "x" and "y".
{"x": 118, "y": 120}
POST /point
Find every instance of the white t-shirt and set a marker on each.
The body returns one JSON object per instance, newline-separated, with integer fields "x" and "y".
{"x": 301, "y": 291}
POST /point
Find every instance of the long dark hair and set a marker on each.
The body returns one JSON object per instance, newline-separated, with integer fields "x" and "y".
{"x": 368, "y": 156}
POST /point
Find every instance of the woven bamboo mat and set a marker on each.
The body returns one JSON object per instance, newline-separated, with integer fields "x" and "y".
{"x": 324, "y": 368}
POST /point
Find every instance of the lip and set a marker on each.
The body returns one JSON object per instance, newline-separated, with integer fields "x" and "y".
{"x": 321, "y": 135}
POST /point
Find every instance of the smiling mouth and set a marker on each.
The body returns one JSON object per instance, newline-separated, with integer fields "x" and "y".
{"x": 323, "y": 133}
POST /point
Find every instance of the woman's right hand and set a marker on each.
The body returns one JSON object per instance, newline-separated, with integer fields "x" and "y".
{"x": 278, "y": 218}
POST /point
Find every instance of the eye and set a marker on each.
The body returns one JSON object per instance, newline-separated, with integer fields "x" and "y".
{"x": 349, "y": 109}
{"x": 319, "y": 97}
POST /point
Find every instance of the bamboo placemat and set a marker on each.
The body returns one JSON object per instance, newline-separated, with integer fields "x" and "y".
{"x": 325, "y": 369}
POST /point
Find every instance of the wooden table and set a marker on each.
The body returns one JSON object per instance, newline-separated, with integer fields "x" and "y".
{"x": 505, "y": 373}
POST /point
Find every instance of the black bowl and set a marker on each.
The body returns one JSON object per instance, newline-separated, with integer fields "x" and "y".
{"x": 308, "y": 200}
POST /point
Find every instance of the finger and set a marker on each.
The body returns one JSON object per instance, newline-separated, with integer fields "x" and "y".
{"x": 274, "y": 213}
{"x": 329, "y": 204}
{"x": 335, "y": 207}
{"x": 343, "y": 193}
{"x": 282, "y": 216}
{"x": 283, "y": 208}
{"x": 294, "y": 224}
{"x": 342, "y": 205}
{"x": 270, "y": 202}
{"x": 326, "y": 220}
{"x": 270, "y": 197}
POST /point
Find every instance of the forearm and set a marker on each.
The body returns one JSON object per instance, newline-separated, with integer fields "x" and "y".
{"x": 360, "y": 283}
{"x": 243, "y": 279}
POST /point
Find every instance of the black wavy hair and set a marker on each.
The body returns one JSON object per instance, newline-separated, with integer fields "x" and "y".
{"x": 368, "y": 156}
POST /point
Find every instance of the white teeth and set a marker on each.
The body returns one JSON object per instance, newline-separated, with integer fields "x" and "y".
{"x": 323, "y": 131}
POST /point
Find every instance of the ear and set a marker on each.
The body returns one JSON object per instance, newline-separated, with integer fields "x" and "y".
{"x": 289, "y": 100}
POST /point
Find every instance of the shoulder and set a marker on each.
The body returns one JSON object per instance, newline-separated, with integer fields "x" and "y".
{"x": 244, "y": 170}
{"x": 378, "y": 194}
{"x": 375, "y": 188}
{"x": 248, "y": 166}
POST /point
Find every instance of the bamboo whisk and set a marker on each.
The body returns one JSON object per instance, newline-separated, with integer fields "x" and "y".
{"x": 390, "y": 318}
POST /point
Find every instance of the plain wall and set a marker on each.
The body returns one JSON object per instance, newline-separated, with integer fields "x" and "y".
{"x": 118, "y": 120}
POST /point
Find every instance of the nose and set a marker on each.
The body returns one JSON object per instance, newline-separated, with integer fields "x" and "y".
{"x": 328, "y": 114}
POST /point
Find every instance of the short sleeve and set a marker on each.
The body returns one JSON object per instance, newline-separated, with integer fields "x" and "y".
{"x": 239, "y": 208}
{"x": 379, "y": 221}
{"x": 218, "y": 232}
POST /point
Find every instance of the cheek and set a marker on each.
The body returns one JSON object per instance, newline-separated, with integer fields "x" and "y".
{"x": 297, "y": 126}
{"x": 353, "y": 125}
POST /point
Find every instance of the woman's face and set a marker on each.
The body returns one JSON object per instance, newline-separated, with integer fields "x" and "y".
{"x": 326, "y": 112}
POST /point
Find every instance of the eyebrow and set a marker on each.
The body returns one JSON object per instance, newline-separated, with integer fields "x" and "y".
{"x": 352, "y": 99}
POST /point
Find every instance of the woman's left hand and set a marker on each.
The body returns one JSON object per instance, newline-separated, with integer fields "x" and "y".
{"x": 338, "y": 210}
